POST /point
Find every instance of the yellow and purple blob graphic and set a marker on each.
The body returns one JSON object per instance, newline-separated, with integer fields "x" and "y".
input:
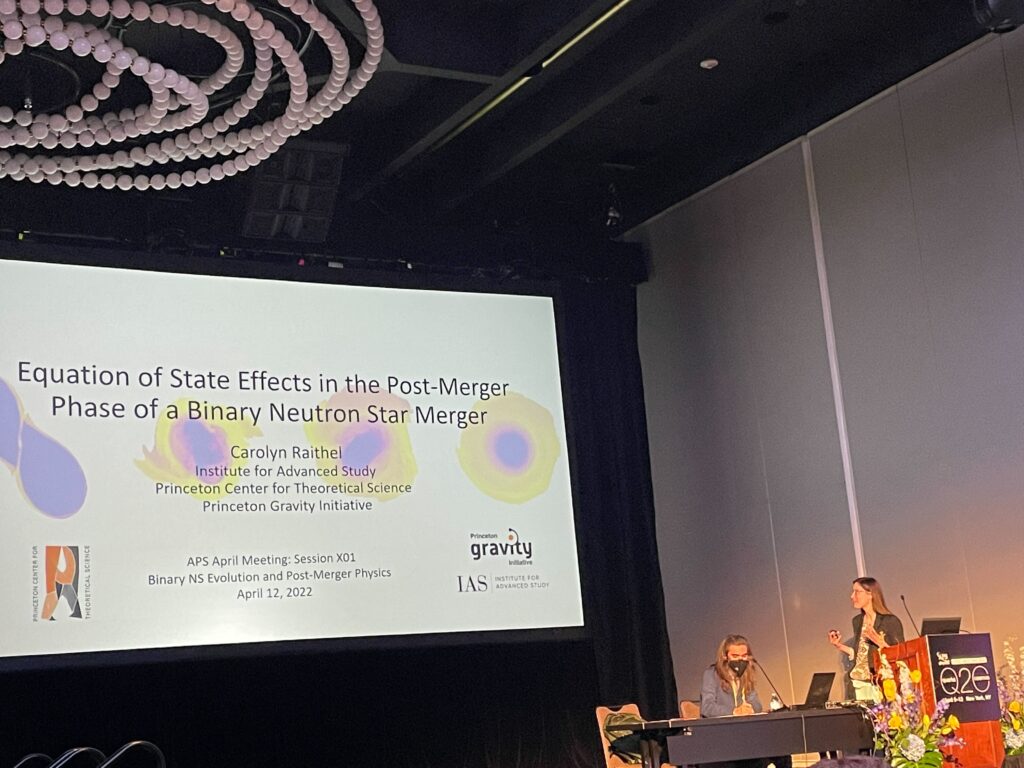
{"x": 511, "y": 456}
{"x": 191, "y": 451}
{"x": 382, "y": 446}
{"x": 47, "y": 473}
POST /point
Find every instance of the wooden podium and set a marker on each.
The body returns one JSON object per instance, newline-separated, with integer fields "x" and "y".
{"x": 959, "y": 668}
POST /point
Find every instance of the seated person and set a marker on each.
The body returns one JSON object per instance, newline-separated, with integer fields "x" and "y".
{"x": 728, "y": 689}
{"x": 728, "y": 684}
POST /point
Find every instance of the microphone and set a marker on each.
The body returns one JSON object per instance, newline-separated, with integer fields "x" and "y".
{"x": 783, "y": 701}
{"x": 912, "y": 622}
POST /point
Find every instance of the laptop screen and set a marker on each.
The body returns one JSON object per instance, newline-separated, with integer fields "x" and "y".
{"x": 820, "y": 688}
{"x": 944, "y": 626}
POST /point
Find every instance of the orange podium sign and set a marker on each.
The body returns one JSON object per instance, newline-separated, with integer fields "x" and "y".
{"x": 960, "y": 668}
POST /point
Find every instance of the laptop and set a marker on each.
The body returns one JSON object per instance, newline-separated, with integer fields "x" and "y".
{"x": 817, "y": 693}
{"x": 949, "y": 625}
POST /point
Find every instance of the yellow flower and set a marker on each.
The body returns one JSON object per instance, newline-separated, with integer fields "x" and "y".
{"x": 926, "y": 722}
{"x": 915, "y": 676}
{"x": 889, "y": 689}
{"x": 896, "y": 721}
{"x": 952, "y": 722}
{"x": 1016, "y": 724}
{"x": 1014, "y": 707}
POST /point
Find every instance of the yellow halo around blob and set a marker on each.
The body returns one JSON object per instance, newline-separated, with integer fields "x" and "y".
{"x": 511, "y": 455}
{"x": 183, "y": 446}
{"x": 373, "y": 436}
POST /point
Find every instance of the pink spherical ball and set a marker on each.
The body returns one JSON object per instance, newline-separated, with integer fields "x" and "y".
{"x": 35, "y": 35}
{"x": 140, "y": 66}
{"x": 13, "y": 30}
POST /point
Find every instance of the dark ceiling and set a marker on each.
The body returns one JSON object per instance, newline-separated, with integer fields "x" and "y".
{"x": 614, "y": 129}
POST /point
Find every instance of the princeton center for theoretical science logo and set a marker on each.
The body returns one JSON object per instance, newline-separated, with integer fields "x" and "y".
{"x": 61, "y": 586}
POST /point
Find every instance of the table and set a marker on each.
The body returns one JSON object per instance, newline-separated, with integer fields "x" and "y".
{"x": 717, "y": 739}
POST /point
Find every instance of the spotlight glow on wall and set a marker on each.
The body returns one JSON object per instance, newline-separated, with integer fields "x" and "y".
{"x": 108, "y": 150}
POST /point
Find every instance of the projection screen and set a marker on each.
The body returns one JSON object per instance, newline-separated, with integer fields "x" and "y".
{"x": 199, "y": 461}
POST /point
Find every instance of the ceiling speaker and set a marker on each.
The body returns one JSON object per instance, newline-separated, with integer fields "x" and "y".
{"x": 293, "y": 192}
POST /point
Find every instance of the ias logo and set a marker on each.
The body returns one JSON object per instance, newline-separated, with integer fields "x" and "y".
{"x": 61, "y": 577}
{"x": 473, "y": 583}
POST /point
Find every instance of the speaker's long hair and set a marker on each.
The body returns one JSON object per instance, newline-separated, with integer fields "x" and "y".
{"x": 725, "y": 674}
{"x": 877, "y": 596}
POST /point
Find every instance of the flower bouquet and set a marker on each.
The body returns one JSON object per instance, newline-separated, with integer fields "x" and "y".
{"x": 1011, "y": 699}
{"x": 910, "y": 736}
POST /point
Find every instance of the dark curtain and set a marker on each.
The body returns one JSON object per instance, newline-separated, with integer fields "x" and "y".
{"x": 624, "y": 603}
{"x": 486, "y": 705}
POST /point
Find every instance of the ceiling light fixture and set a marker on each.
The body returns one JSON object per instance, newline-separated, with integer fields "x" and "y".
{"x": 520, "y": 82}
{"x": 193, "y": 144}
{"x": 709, "y": 64}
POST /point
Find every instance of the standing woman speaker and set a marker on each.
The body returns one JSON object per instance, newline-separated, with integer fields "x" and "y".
{"x": 874, "y": 627}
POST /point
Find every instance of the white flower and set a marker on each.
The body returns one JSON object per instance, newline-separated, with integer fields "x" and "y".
{"x": 913, "y": 748}
{"x": 1015, "y": 739}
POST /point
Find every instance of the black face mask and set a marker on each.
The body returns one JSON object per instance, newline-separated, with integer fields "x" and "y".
{"x": 738, "y": 666}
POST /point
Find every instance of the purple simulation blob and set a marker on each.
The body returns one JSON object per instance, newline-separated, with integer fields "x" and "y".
{"x": 10, "y": 425}
{"x": 51, "y": 477}
{"x": 363, "y": 449}
{"x": 512, "y": 449}
{"x": 196, "y": 445}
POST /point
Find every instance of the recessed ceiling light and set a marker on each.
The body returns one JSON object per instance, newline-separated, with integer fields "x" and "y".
{"x": 709, "y": 63}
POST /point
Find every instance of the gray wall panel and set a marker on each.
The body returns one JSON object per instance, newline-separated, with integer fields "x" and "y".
{"x": 798, "y": 433}
{"x": 922, "y": 214}
{"x": 967, "y": 188}
{"x": 894, "y": 405}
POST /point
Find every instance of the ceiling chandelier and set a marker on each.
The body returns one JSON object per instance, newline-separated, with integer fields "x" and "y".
{"x": 173, "y": 140}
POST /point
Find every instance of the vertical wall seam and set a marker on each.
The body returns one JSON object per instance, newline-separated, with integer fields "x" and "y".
{"x": 1013, "y": 113}
{"x": 755, "y": 390}
{"x": 833, "y": 360}
{"x": 775, "y": 553}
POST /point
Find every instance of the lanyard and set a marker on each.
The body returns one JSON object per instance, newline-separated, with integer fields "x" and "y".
{"x": 736, "y": 690}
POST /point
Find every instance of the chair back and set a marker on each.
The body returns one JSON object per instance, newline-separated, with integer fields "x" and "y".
{"x": 612, "y": 760}
{"x": 689, "y": 710}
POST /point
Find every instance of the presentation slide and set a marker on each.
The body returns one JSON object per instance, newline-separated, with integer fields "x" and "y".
{"x": 193, "y": 460}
